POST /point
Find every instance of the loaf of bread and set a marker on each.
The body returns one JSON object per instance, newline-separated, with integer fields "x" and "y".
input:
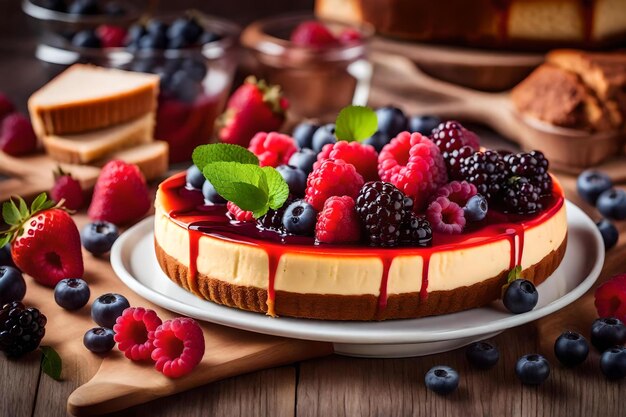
{"x": 576, "y": 89}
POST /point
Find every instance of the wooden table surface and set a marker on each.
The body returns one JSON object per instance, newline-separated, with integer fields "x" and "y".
{"x": 331, "y": 386}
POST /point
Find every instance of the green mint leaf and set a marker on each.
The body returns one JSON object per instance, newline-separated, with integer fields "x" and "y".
{"x": 38, "y": 202}
{"x": 222, "y": 152}
{"x": 243, "y": 184}
{"x": 356, "y": 123}
{"x": 278, "y": 190}
{"x": 51, "y": 363}
{"x": 11, "y": 213}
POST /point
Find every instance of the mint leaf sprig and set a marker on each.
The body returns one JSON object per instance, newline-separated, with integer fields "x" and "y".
{"x": 236, "y": 175}
{"x": 356, "y": 123}
{"x": 51, "y": 362}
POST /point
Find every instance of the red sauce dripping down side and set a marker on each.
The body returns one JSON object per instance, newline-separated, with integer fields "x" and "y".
{"x": 187, "y": 209}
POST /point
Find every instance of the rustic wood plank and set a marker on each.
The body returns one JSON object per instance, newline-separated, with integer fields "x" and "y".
{"x": 19, "y": 385}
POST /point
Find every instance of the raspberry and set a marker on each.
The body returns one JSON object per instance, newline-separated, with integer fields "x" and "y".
{"x": 120, "y": 195}
{"x": 179, "y": 346}
{"x": 272, "y": 148}
{"x": 6, "y": 107}
{"x": 111, "y": 36}
{"x": 338, "y": 221}
{"x": 332, "y": 178}
{"x": 520, "y": 196}
{"x": 380, "y": 207}
{"x": 67, "y": 188}
{"x": 313, "y": 34}
{"x": 132, "y": 332}
{"x": 363, "y": 157}
{"x": 17, "y": 136}
{"x": 532, "y": 165}
{"x": 21, "y": 329}
{"x": 239, "y": 214}
{"x": 445, "y": 216}
{"x": 414, "y": 164}
{"x": 487, "y": 171}
{"x": 415, "y": 231}
{"x": 457, "y": 192}
{"x": 611, "y": 298}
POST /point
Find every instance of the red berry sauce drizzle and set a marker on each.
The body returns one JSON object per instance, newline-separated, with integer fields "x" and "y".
{"x": 186, "y": 208}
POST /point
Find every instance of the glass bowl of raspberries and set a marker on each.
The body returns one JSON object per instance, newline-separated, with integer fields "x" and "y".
{"x": 321, "y": 64}
{"x": 194, "y": 54}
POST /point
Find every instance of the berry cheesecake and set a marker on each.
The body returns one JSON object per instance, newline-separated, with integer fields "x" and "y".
{"x": 430, "y": 225}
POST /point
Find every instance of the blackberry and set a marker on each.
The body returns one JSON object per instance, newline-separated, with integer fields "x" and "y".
{"x": 532, "y": 165}
{"x": 520, "y": 196}
{"x": 21, "y": 329}
{"x": 380, "y": 207}
{"x": 273, "y": 219}
{"x": 451, "y": 138}
{"x": 415, "y": 231}
{"x": 454, "y": 161}
{"x": 487, "y": 171}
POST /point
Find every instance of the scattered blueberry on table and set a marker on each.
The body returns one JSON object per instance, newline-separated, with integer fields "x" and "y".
{"x": 532, "y": 369}
{"x": 107, "y": 308}
{"x": 99, "y": 340}
{"x": 12, "y": 285}
{"x": 71, "y": 293}
{"x": 98, "y": 237}
{"x": 607, "y": 332}
{"x": 483, "y": 355}
{"x": 571, "y": 348}
{"x": 442, "y": 380}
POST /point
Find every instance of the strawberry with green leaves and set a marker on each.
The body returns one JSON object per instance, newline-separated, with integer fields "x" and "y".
{"x": 254, "y": 107}
{"x": 45, "y": 242}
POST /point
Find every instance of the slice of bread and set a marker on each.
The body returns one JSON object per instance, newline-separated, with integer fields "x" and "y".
{"x": 85, "y": 98}
{"x": 83, "y": 148}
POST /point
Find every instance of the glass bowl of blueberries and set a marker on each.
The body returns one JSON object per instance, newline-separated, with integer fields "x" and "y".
{"x": 194, "y": 54}
{"x": 321, "y": 64}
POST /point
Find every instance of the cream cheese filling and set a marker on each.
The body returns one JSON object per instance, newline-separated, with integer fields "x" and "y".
{"x": 247, "y": 265}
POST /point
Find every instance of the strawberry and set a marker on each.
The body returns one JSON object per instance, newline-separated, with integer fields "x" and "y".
{"x": 313, "y": 34}
{"x": 120, "y": 195}
{"x": 254, "y": 107}
{"x": 16, "y": 135}
{"x": 45, "y": 242}
{"x": 6, "y": 106}
{"x": 68, "y": 189}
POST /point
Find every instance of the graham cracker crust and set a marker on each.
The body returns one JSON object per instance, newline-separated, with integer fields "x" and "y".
{"x": 355, "y": 307}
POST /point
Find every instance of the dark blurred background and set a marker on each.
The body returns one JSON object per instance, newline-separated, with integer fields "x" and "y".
{"x": 21, "y": 74}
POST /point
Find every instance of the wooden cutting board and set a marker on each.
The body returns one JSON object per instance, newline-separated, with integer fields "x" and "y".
{"x": 117, "y": 383}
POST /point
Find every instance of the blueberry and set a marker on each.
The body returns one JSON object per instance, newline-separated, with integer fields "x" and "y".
{"x": 157, "y": 28}
{"x": 5, "y": 256}
{"x": 12, "y": 285}
{"x": 98, "y": 237}
{"x": 107, "y": 308}
{"x": 56, "y": 5}
{"x": 442, "y": 380}
{"x": 571, "y": 349}
{"x": 208, "y": 37}
{"x": 135, "y": 33}
{"x": 423, "y": 124}
{"x": 520, "y": 296}
{"x": 114, "y": 9}
{"x": 295, "y": 179}
{"x": 613, "y": 362}
{"x": 151, "y": 42}
{"x": 196, "y": 70}
{"x": 177, "y": 43}
{"x": 607, "y": 332}
{"x": 86, "y": 39}
{"x": 195, "y": 177}
{"x": 71, "y": 293}
{"x": 482, "y": 355}
{"x": 299, "y": 218}
{"x": 391, "y": 120}
{"x": 303, "y": 134}
{"x": 84, "y": 7}
{"x": 532, "y": 369}
{"x": 304, "y": 160}
{"x": 187, "y": 28}
{"x": 210, "y": 194}
{"x": 323, "y": 136}
{"x": 612, "y": 204}
{"x": 378, "y": 140}
{"x": 609, "y": 233}
{"x": 476, "y": 208}
{"x": 99, "y": 340}
{"x": 590, "y": 184}
{"x": 186, "y": 89}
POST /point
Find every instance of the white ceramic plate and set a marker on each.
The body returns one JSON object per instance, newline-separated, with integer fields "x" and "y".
{"x": 134, "y": 261}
